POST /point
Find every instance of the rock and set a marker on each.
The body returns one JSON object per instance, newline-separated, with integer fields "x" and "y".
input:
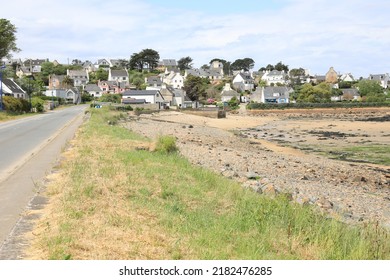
{"x": 304, "y": 178}
{"x": 251, "y": 175}
{"x": 324, "y": 203}
{"x": 229, "y": 174}
{"x": 360, "y": 179}
{"x": 270, "y": 190}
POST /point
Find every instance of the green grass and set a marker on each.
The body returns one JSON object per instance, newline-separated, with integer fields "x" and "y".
{"x": 118, "y": 202}
{"x": 378, "y": 154}
{"x": 368, "y": 153}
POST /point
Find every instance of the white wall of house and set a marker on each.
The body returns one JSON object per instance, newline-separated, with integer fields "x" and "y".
{"x": 247, "y": 85}
{"x": 149, "y": 98}
{"x": 272, "y": 77}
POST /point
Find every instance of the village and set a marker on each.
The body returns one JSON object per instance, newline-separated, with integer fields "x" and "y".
{"x": 165, "y": 86}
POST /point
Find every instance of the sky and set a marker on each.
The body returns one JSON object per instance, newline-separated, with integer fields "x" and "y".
{"x": 353, "y": 36}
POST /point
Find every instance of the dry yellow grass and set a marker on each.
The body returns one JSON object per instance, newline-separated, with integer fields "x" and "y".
{"x": 109, "y": 226}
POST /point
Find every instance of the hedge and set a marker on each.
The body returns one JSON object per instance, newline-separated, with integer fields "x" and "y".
{"x": 15, "y": 105}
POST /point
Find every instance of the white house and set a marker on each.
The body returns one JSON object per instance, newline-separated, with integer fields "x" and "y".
{"x": 79, "y": 77}
{"x": 383, "y": 79}
{"x": 243, "y": 81}
{"x": 10, "y": 88}
{"x": 148, "y": 96}
{"x": 272, "y": 95}
{"x": 93, "y": 90}
{"x": 228, "y": 93}
{"x": 120, "y": 76}
{"x": 347, "y": 77}
{"x": 274, "y": 77}
{"x": 174, "y": 79}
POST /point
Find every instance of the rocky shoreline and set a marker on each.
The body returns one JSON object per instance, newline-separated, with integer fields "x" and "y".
{"x": 353, "y": 193}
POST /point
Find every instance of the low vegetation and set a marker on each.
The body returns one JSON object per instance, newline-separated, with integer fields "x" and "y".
{"x": 115, "y": 197}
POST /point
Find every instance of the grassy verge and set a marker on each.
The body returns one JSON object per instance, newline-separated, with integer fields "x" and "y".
{"x": 114, "y": 197}
{"x": 4, "y": 116}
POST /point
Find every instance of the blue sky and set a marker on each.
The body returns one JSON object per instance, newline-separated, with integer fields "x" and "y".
{"x": 353, "y": 36}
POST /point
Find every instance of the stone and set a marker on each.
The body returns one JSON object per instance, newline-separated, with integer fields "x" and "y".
{"x": 251, "y": 175}
{"x": 270, "y": 190}
{"x": 324, "y": 203}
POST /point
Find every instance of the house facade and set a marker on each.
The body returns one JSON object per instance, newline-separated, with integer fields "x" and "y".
{"x": 274, "y": 77}
{"x": 80, "y": 77}
{"x": 331, "y": 76}
{"x": 228, "y": 93}
{"x": 93, "y": 90}
{"x": 113, "y": 87}
{"x": 121, "y": 76}
{"x": 148, "y": 96}
{"x": 383, "y": 79}
{"x": 167, "y": 65}
{"x": 272, "y": 94}
{"x": 243, "y": 81}
{"x": 174, "y": 79}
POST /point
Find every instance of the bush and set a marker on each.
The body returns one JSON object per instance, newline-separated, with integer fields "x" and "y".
{"x": 15, "y": 105}
{"x": 37, "y": 104}
{"x": 166, "y": 144}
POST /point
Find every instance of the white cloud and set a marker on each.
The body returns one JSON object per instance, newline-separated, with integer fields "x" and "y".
{"x": 352, "y": 36}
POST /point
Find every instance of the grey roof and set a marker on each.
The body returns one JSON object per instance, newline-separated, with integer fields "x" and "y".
{"x": 78, "y": 73}
{"x": 246, "y": 76}
{"x": 377, "y": 77}
{"x": 140, "y": 92}
{"x": 276, "y": 73}
{"x": 92, "y": 87}
{"x": 230, "y": 93}
{"x": 154, "y": 80}
{"x": 284, "y": 92}
{"x": 352, "y": 91}
{"x": 35, "y": 61}
{"x": 320, "y": 77}
{"x": 203, "y": 72}
{"x": 168, "y": 62}
{"x": 12, "y": 86}
{"x": 119, "y": 73}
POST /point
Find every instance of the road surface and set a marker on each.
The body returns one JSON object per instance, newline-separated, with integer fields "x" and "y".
{"x": 29, "y": 148}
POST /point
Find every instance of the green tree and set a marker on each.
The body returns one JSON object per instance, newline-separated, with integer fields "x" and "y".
{"x": 195, "y": 88}
{"x": 320, "y": 93}
{"x": 281, "y": 67}
{"x": 243, "y": 64}
{"x": 297, "y": 72}
{"x": 184, "y": 63}
{"x": 100, "y": 74}
{"x": 67, "y": 82}
{"x": 146, "y": 58}
{"x": 7, "y": 38}
{"x": 269, "y": 67}
{"x": 367, "y": 87}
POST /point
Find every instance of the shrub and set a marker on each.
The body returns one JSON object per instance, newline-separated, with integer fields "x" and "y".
{"x": 166, "y": 144}
{"x": 37, "y": 104}
{"x": 15, "y": 105}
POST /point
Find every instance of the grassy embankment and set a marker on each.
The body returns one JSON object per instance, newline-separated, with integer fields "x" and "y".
{"x": 114, "y": 198}
{"x": 4, "y": 116}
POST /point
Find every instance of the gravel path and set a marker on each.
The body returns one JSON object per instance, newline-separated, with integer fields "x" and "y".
{"x": 353, "y": 193}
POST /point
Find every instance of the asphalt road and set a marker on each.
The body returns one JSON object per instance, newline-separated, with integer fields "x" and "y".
{"x": 29, "y": 148}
